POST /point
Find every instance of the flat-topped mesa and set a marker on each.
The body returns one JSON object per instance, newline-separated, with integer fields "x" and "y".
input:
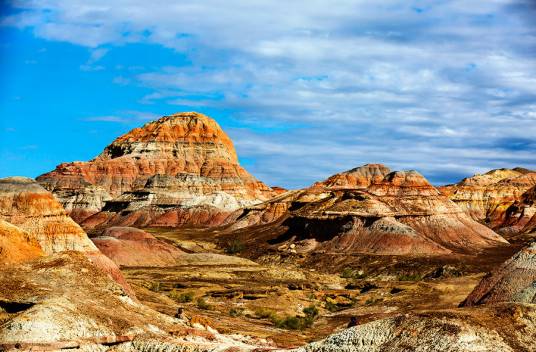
{"x": 178, "y": 158}
{"x": 487, "y": 197}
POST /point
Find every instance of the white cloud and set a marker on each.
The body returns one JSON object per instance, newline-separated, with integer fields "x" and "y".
{"x": 445, "y": 87}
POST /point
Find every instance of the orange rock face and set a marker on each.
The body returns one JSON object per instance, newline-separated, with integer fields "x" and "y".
{"x": 372, "y": 210}
{"x": 487, "y": 197}
{"x": 128, "y": 246}
{"x": 17, "y": 246}
{"x": 24, "y": 203}
{"x": 180, "y": 161}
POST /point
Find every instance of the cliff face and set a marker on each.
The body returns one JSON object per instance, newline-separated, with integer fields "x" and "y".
{"x": 17, "y": 246}
{"x": 520, "y": 217}
{"x": 487, "y": 197}
{"x": 372, "y": 210}
{"x": 172, "y": 165}
{"x": 26, "y": 204}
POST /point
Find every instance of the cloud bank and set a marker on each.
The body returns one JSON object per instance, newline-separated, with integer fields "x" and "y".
{"x": 444, "y": 87}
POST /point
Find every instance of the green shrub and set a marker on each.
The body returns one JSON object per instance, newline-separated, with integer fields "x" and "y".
{"x": 202, "y": 304}
{"x": 311, "y": 311}
{"x": 349, "y": 273}
{"x": 234, "y": 247}
{"x": 184, "y": 297}
{"x": 410, "y": 277}
{"x": 236, "y": 312}
{"x": 264, "y": 313}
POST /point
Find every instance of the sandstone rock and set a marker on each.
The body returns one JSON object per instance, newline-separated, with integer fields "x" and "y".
{"x": 487, "y": 197}
{"x": 24, "y": 203}
{"x": 476, "y": 329}
{"x": 63, "y": 301}
{"x": 520, "y": 217}
{"x": 181, "y": 162}
{"x": 514, "y": 281}
{"x": 128, "y": 246}
{"x": 16, "y": 245}
{"x": 372, "y": 210}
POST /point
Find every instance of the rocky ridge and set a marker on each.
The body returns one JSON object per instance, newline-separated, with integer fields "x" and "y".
{"x": 176, "y": 170}
{"x": 371, "y": 210}
{"x": 514, "y": 281}
{"x": 487, "y": 197}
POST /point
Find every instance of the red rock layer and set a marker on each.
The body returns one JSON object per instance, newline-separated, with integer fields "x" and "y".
{"x": 24, "y": 203}
{"x": 512, "y": 282}
{"x": 487, "y": 197}
{"x": 166, "y": 163}
{"x": 128, "y": 246}
{"x": 17, "y": 246}
{"x": 371, "y": 210}
{"x": 521, "y": 215}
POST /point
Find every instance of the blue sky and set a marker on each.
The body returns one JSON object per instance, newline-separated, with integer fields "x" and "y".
{"x": 305, "y": 88}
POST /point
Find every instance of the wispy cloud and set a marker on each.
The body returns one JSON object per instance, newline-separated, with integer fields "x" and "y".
{"x": 446, "y": 87}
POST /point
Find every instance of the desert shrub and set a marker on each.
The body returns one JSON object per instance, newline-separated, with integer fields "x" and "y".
{"x": 234, "y": 247}
{"x": 184, "y": 297}
{"x": 236, "y": 312}
{"x": 311, "y": 311}
{"x": 265, "y": 313}
{"x": 202, "y": 304}
{"x": 410, "y": 277}
{"x": 349, "y": 273}
{"x": 154, "y": 286}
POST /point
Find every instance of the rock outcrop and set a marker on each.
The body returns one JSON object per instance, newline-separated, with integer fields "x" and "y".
{"x": 17, "y": 246}
{"x": 514, "y": 281}
{"x": 34, "y": 210}
{"x": 128, "y": 246}
{"x": 63, "y": 302}
{"x": 371, "y": 210}
{"x": 476, "y": 329}
{"x": 487, "y": 197}
{"x": 520, "y": 217}
{"x": 180, "y": 169}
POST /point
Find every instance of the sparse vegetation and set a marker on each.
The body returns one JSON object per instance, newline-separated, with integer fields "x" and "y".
{"x": 154, "y": 286}
{"x": 295, "y": 322}
{"x": 234, "y": 247}
{"x": 410, "y": 277}
{"x": 183, "y": 297}
{"x": 349, "y": 273}
{"x": 236, "y": 312}
{"x": 202, "y": 304}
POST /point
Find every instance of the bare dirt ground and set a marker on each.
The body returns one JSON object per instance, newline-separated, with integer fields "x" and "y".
{"x": 263, "y": 297}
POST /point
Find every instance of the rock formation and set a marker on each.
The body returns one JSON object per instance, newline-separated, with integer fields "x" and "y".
{"x": 180, "y": 169}
{"x": 128, "y": 246}
{"x": 371, "y": 210}
{"x": 487, "y": 197}
{"x": 27, "y": 205}
{"x": 17, "y": 246}
{"x": 514, "y": 281}
{"x": 63, "y": 302}
{"x": 520, "y": 217}
{"x": 503, "y": 328}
